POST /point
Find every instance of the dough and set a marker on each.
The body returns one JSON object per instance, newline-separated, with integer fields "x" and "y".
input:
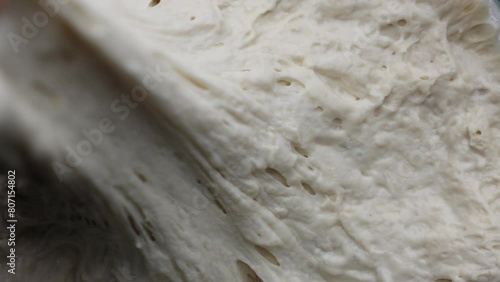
{"x": 263, "y": 140}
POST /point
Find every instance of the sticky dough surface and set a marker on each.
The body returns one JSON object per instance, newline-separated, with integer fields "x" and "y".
{"x": 289, "y": 140}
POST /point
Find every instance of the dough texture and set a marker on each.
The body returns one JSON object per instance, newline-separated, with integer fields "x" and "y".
{"x": 279, "y": 140}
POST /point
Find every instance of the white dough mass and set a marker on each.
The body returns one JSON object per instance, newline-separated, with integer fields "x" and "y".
{"x": 259, "y": 140}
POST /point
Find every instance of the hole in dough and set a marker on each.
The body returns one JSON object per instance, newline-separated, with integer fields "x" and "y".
{"x": 277, "y": 175}
{"x": 308, "y": 188}
{"x": 267, "y": 255}
{"x": 153, "y": 3}
{"x": 247, "y": 273}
